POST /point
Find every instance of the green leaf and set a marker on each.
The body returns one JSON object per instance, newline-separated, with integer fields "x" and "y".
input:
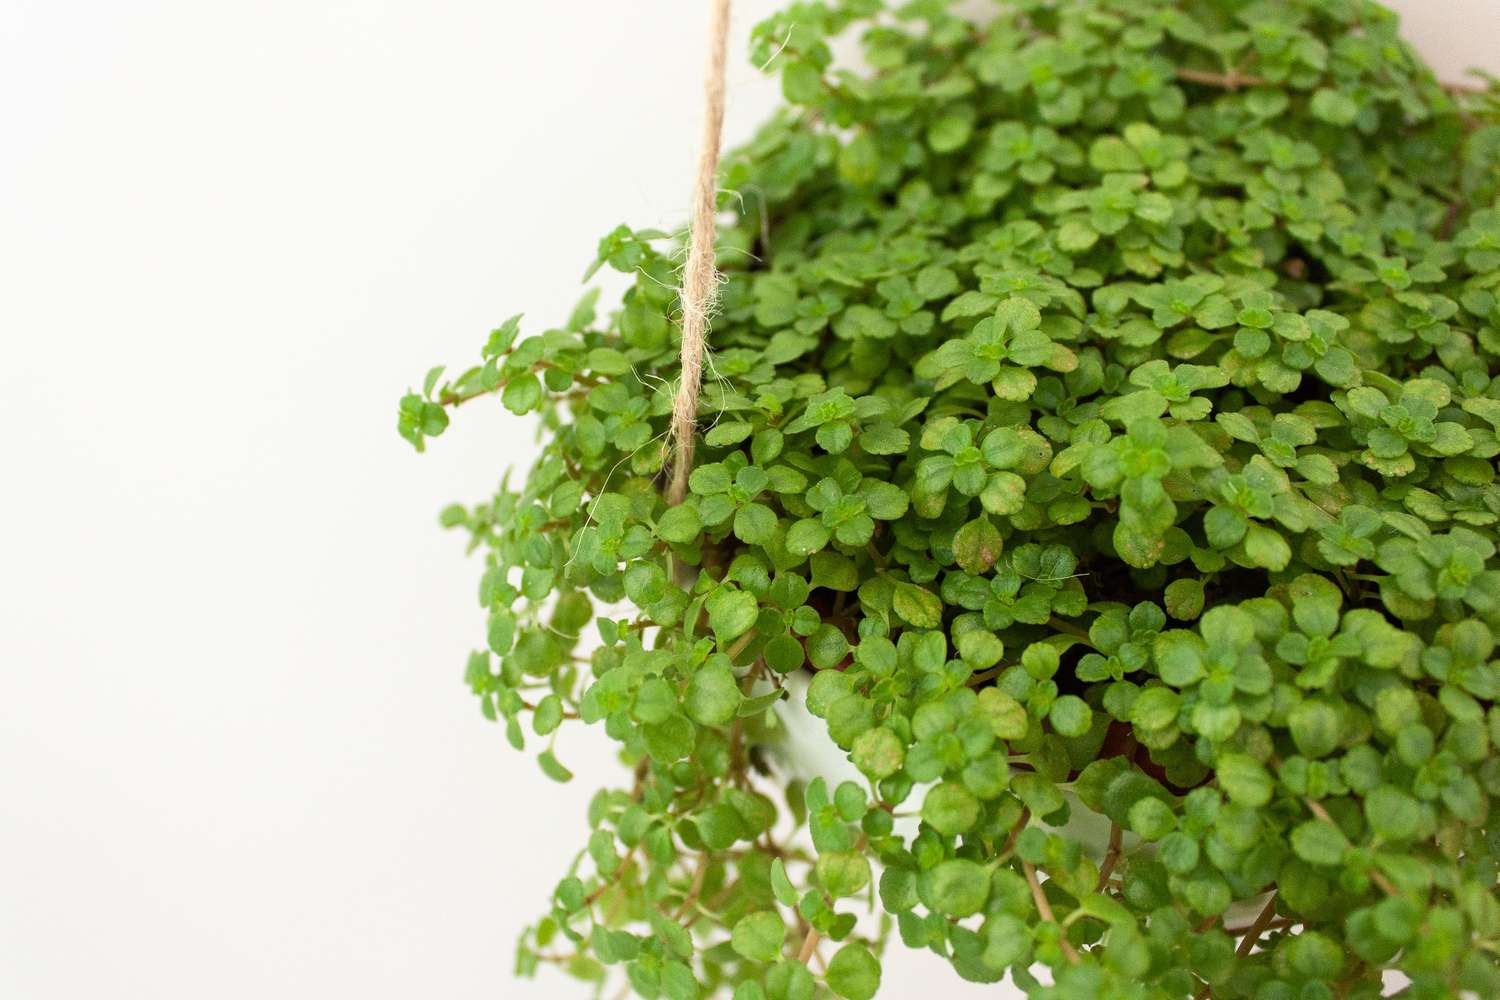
{"x": 801, "y": 83}
{"x": 552, "y": 769}
{"x": 949, "y": 132}
{"x": 917, "y": 606}
{"x": 834, "y": 572}
{"x": 759, "y": 936}
{"x": 883, "y": 439}
{"x": 865, "y": 321}
{"x": 1244, "y": 779}
{"x": 754, "y": 524}
{"x": 835, "y": 437}
{"x": 1155, "y": 708}
{"x": 784, "y": 654}
{"x": 1393, "y": 814}
{"x": 713, "y": 696}
{"x": 1315, "y": 727}
{"x": 950, "y": 809}
{"x": 806, "y": 536}
{"x": 781, "y": 886}
{"x": 827, "y": 647}
{"x": 1151, "y": 818}
{"x": 607, "y": 360}
{"x": 1224, "y": 527}
{"x": 680, "y": 524}
{"x": 859, "y": 161}
{"x": 958, "y": 888}
{"x": 977, "y": 546}
{"x": 789, "y": 980}
{"x": 1007, "y": 941}
{"x": 853, "y": 972}
{"x": 731, "y": 614}
{"x": 843, "y": 873}
{"x": 709, "y": 479}
{"x": 1006, "y": 716}
{"x": 1266, "y": 548}
{"x": 522, "y": 393}
{"x": 720, "y": 826}
{"x": 1070, "y": 716}
{"x": 548, "y": 715}
{"x": 884, "y": 501}
{"x": 980, "y": 650}
{"x": 1179, "y": 658}
{"x": 935, "y": 282}
{"x": 502, "y": 337}
{"x": 1334, "y": 107}
{"x": 898, "y": 889}
{"x": 1315, "y": 604}
{"x": 1179, "y": 852}
{"x": 878, "y": 752}
{"x": 655, "y": 701}
{"x": 1319, "y": 843}
{"x": 1184, "y": 599}
{"x": 751, "y": 707}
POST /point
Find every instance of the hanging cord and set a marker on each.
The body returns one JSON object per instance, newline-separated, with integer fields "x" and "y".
{"x": 699, "y": 279}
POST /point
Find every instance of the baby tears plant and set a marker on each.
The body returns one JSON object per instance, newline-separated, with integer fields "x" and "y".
{"x": 1100, "y": 438}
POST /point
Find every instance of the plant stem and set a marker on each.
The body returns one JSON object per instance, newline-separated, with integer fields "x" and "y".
{"x": 695, "y": 888}
{"x": 449, "y": 398}
{"x": 1062, "y": 625}
{"x": 1045, "y": 909}
{"x": 1247, "y": 943}
{"x": 809, "y": 943}
{"x": 1111, "y": 857}
{"x": 1233, "y": 80}
{"x": 1015, "y": 831}
{"x": 740, "y": 644}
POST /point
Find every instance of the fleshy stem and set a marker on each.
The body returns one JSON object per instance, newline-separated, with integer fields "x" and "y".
{"x": 1267, "y": 913}
{"x": 809, "y": 943}
{"x": 450, "y": 398}
{"x": 695, "y": 888}
{"x": 1233, "y": 80}
{"x": 1045, "y": 909}
{"x": 1111, "y": 856}
{"x": 1252, "y": 935}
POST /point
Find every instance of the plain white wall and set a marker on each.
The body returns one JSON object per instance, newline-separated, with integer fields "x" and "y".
{"x": 236, "y": 758}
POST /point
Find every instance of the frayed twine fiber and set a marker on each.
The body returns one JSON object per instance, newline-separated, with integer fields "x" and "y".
{"x": 699, "y": 279}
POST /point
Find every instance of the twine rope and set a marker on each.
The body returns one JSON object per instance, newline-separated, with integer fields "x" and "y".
{"x": 699, "y": 279}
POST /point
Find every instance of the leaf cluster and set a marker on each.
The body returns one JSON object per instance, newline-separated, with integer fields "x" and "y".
{"x": 1102, "y": 433}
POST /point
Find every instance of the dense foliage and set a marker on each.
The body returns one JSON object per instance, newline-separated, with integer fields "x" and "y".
{"x": 1103, "y": 412}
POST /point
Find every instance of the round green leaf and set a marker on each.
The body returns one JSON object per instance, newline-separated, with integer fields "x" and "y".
{"x": 950, "y": 809}
{"x": 843, "y": 873}
{"x": 680, "y": 524}
{"x": 1071, "y": 716}
{"x": 713, "y": 695}
{"x": 958, "y": 888}
{"x": 878, "y": 752}
{"x": 1319, "y": 843}
{"x": 732, "y": 613}
{"x": 1244, "y": 779}
{"x": 759, "y": 936}
{"x": 853, "y": 972}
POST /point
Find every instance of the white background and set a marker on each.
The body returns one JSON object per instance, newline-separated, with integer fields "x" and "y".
{"x": 236, "y": 758}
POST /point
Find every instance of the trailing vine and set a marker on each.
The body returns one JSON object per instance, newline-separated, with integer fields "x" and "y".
{"x": 1100, "y": 439}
